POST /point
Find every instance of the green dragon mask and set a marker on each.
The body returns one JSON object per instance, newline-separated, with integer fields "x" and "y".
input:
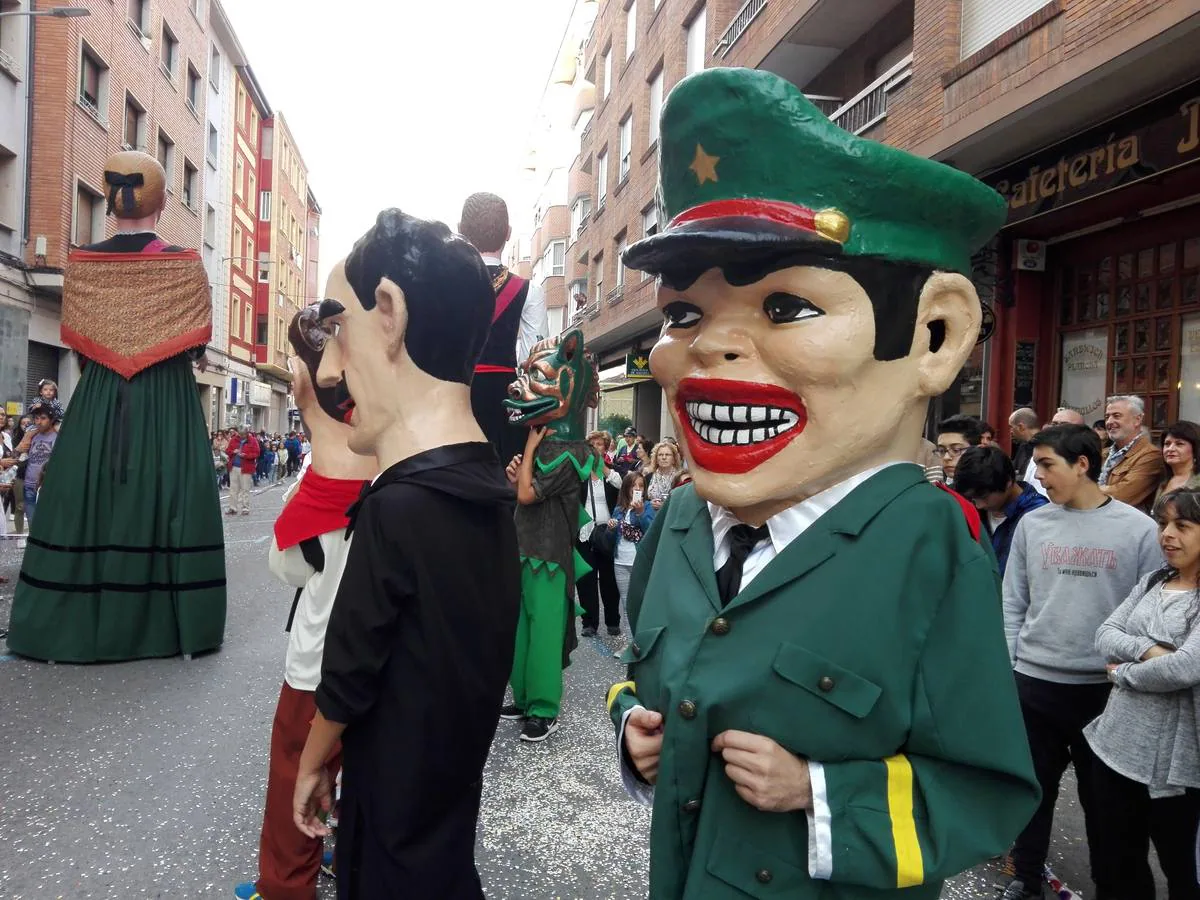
{"x": 555, "y": 387}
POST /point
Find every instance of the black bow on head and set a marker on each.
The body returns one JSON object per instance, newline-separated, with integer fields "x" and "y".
{"x": 124, "y": 183}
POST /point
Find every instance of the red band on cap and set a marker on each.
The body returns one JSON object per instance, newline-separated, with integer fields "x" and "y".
{"x": 772, "y": 210}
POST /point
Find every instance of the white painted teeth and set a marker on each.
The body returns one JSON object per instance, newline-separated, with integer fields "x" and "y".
{"x": 716, "y": 422}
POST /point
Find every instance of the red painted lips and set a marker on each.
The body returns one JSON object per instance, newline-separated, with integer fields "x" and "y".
{"x": 732, "y": 427}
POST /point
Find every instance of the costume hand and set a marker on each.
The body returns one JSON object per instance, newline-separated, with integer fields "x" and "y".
{"x": 536, "y": 435}
{"x": 764, "y": 774}
{"x": 313, "y": 795}
{"x": 643, "y": 740}
{"x": 511, "y": 471}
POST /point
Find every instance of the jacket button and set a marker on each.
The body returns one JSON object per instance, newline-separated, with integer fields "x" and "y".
{"x": 763, "y": 876}
{"x": 691, "y": 806}
{"x": 687, "y": 709}
{"x": 826, "y": 683}
{"x": 720, "y": 626}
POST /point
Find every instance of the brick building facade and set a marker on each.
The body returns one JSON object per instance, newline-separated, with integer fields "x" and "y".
{"x": 1095, "y": 304}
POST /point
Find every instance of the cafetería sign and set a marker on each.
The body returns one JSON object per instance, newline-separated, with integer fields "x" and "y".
{"x": 1161, "y": 135}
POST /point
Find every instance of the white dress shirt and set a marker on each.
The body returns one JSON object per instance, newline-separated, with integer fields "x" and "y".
{"x": 783, "y": 528}
{"x": 1030, "y": 477}
{"x": 535, "y": 319}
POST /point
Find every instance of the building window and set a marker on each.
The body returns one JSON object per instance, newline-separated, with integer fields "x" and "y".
{"x": 214, "y": 144}
{"x": 630, "y": 29}
{"x": 626, "y": 147}
{"x": 554, "y": 259}
{"x": 264, "y": 267}
{"x": 193, "y": 87}
{"x": 89, "y": 216}
{"x": 135, "y": 124}
{"x": 620, "y": 262}
{"x": 261, "y": 337}
{"x": 607, "y": 74}
{"x": 166, "y": 155}
{"x": 210, "y": 226}
{"x": 985, "y": 20}
{"x": 197, "y": 7}
{"x": 581, "y": 209}
{"x": 696, "y": 41}
{"x": 235, "y": 319}
{"x": 214, "y": 69}
{"x": 650, "y": 221}
{"x": 170, "y": 50}
{"x": 601, "y": 178}
{"x": 191, "y": 185}
{"x": 656, "y": 98}
{"x": 239, "y": 175}
{"x": 93, "y": 81}
{"x": 139, "y": 14}
{"x": 248, "y": 326}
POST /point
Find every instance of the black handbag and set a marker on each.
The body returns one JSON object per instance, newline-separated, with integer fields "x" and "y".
{"x": 603, "y": 539}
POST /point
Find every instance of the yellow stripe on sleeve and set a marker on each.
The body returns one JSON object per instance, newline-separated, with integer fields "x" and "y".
{"x": 910, "y": 869}
{"x": 615, "y": 690}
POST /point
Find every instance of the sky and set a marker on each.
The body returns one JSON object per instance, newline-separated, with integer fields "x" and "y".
{"x": 408, "y": 103}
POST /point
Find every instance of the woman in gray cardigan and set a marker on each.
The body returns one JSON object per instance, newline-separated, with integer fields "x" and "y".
{"x": 1146, "y": 741}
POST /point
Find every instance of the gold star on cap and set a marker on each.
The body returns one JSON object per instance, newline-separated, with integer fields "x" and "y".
{"x": 704, "y": 166}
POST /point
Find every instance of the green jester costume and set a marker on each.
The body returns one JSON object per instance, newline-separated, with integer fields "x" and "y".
{"x": 555, "y": 388}
{"x": 819, "y": 700}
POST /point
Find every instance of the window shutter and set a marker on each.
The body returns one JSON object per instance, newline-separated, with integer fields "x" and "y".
{"x": 985, "y": 20}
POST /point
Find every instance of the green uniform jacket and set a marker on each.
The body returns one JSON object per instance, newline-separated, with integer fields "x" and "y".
{"x": 873, "y": 644}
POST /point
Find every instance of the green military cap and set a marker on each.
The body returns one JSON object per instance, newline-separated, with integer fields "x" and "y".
{"x": 747, "y": 164}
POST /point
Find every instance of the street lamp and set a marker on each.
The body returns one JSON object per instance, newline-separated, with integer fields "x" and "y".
{"x": 58, "y": 12}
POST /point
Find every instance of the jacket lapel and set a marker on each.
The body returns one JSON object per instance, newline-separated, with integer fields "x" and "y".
{"x": 688, "y": 513}
{"x": 831, "y": 533}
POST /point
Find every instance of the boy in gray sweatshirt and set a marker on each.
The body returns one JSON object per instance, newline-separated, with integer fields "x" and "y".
{"x": 1071, "y": 564}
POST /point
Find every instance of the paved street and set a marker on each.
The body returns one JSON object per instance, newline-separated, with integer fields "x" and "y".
{"x": 146, "y": 779}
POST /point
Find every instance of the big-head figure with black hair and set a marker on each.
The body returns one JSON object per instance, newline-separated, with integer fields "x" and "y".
{"x": 814, "y": 293}
{"x": 431, "y": 586}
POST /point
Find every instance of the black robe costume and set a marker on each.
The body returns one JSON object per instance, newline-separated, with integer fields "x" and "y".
{"x": 417, "y": 657}
{"x": 489, "y": 389}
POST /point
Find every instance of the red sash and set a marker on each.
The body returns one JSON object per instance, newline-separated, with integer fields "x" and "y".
{"x": 318, "y": 507}
{"x": 504, "y": 300}
{"x": 970, "y": 513}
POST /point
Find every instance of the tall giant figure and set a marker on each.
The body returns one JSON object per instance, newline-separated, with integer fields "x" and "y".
{"x": 819, "y": 698}
{"x": 126, "y": 558}
{"x": 420, "y": 640}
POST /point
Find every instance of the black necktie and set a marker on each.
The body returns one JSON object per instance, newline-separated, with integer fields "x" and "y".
{"x": 742, "y": 539}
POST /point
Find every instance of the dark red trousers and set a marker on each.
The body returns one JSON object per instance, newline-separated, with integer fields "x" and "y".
{"x": 288, "y": 862}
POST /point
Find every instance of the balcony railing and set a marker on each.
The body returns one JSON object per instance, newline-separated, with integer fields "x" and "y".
{"x": 741, "y": 21}
{"x": 9, "y": 65}
{"x": 588, "y": 312}
{"x": 869, "y": 107}
{"x": 616, "y": 295}
{"x": 827, "y": 105}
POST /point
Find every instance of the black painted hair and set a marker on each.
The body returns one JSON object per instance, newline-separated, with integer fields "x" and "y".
{"x": 446, "y": 287}
{"x": 968, "y": 426}
{"x": 1071, "y": 442}
{"x": 982, "y": 471}
{"x": 893, "y": 288}
{"x": 1190, "y": 432}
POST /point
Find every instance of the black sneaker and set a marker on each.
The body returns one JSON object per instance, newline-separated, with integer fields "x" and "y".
{"x": 1016, "y": 890}
{"x": 589, "y": 630}
{"x": 538, "y": 729}
{"x": 512, "y": 712}
{"x": 614, "y": 630}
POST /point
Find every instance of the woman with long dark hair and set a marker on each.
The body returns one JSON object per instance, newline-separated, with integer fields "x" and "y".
{"x": 1181, "y": 458}
{"x": 630, "y": 521}
{"x": 1147, "y": 769}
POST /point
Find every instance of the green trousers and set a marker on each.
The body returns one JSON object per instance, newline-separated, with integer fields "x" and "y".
{"x": 537, "y": 680}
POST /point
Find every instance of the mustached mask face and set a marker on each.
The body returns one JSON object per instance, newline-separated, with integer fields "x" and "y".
{"x": 308, "y": 335}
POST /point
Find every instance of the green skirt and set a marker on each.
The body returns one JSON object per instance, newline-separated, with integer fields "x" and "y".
{"x": 126, "y": 556}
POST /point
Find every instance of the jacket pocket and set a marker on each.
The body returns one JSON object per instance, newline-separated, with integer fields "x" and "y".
{"x": 641, "y": 646}
{"x": 757, "y": 873}
{"x": 836, "y": 685}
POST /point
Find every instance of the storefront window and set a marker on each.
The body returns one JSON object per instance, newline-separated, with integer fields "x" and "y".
{"x": 1189, "y": 370}
{"x": 1084, "y": 368}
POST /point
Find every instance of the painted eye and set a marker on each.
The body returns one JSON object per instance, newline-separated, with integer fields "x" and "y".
{"x": 682, "y": 315}
{"x": 783, "y": 308}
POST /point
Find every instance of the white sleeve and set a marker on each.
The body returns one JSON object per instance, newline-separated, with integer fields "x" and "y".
{"x": 636, "y": 788}
{"x": 820, "y": 834}
{"x": 535, "y": 321}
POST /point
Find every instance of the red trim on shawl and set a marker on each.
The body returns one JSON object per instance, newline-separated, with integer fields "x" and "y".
{"x": 128, "y": 366}
{"x": 318, "y": 507}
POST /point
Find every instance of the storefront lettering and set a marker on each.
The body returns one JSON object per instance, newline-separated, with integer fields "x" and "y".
{"x": 1085, "y": 358}
{"x": 1074, "y": 172}
{"x": 1153, "y": 138}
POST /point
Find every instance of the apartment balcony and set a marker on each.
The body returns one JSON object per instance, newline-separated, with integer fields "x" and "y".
{"x": 738, "y": 26}
{"x": 870, "y": 106}
{"x": 616, "y": 295}
{"x": 589, "y": 312}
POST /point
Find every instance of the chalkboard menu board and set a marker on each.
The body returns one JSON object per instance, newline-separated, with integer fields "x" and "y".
{"x": 1023, "y": 372}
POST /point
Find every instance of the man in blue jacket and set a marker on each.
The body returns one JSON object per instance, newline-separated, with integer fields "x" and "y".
{"x": 986, "y": 477}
